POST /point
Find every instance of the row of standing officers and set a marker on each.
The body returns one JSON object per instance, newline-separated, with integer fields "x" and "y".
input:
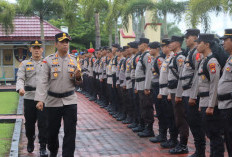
{"x": 191, "y": 89}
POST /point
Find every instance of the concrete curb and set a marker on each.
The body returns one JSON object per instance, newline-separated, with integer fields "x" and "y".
{"x": 14, "y": 150}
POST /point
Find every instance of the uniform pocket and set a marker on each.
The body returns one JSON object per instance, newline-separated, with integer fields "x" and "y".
{"x": 71, "y": 72}
{"x": 55, "y": 72}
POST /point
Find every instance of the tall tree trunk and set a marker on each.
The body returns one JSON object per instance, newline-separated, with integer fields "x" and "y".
{"x": 116, "y": 32}
{"x": 142, "y": 25}
{"x": 42, "y": 33}
{"x": 165, "y": 26}
{"x": 110, "y": 37}
{"x": 97, "y": 31}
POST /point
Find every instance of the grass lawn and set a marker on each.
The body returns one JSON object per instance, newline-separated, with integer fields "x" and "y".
{"x": 6, "y": 132}
{"x": 8, "y": 102}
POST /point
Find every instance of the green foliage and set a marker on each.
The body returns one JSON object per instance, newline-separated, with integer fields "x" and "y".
{"x": 173, "y": 29}
{"x": 7, "y": 13}
{"x": 6, "y": 130}
{"x": 9, "y": 102}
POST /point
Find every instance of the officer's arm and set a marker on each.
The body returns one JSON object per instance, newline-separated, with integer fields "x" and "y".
{"x": 21, "y": 77}
{"x": 148, "y": 73}
{"x": 180, "y": 65}
{"x": 41, "y": 89}
{"x": 214, "y": 72}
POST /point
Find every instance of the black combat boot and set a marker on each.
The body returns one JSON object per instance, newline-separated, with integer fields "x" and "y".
{"x": 171, "y": 143}
{"x": 30, "y": 144}
{"x": 42, "y": 150}
{"x": 132, "y": 125}
{"x": 121, "y": 117}
{"x": 147, "y": 132}
{"x": 128, "y": 120}
{"x": 179, "y": 149}
{"x": 162, "y": 137}
{"x": 139, "y": 128}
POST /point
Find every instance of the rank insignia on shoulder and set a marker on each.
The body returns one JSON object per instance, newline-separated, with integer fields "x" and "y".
{"x": 44, "y": 61}
{"x": 29, "y": 63}
{"x": 212, "y": 67}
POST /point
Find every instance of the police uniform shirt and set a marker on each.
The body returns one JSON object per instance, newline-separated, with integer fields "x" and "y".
{"x": 134, "y": 64}
{"x": 99, "y": 69}
{"x": 102, "y": 74}
{"x": 118, "y": 71}
{"x": 91, "y": 64}
{"x": 85, "y": 66}
{"x": 109, "y": 72}
{"x": 141, "y": 73}
{"x": 225, "y": 85}
{"x": 204, "y": 85}
{"x": 28, "y": 75}
{"x": 58, "y": 76}
{"x": 164, "y": 70}
{"x": 155, "y": 74}
{"x": 114, "y": 65}
{"x": 122, "y": 76}
{"x": 189, "y": 71}
{"x": 95, "y": 68}
{"x": 180, "y": 61}
{"x": 128, "y": 72}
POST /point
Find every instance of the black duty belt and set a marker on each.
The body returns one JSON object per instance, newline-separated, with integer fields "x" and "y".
{"x": 109, "y": 75}
{"x": 185, "y": 87}
{"x": 128, "y": 78}
{"x": 60, "y": 95}
{"x": 29, "y": 88}
{"x": 204, "y": 94}
{"x": 172, "y": 84}
{"x": 186, "y": 77}
{"x": 223, "y": 97}
{"x": 155, "y": 84}
{"x": 163, "y": 85}
{"x": 140, "y": 79}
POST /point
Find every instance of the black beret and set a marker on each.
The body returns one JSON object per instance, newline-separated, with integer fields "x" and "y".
{"x": 193, "y": 32}
{"x": 205, "y": 38}
{"x": 36, "y": 43}
{"x": 177, "y": 38}
{"x": 154, "y": 45}
{"x": 62, "y": 36}
{"x": 116, "y": 45}
{"x": 165, "y": 42}
{"x": 125, "y": 47}
{"x": 144, "y": 40}
{"x": 133, "y": 44}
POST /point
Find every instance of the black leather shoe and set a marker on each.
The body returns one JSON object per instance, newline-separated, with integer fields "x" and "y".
{"x": 147, "y": 132}
{"x": 122, "y": 117}
{"x": 139, "y": 128}
{"x": 179, "y": 149}
{"x": 158, "y": 139}
{"x": 53, "y": 154}
{"x": 128, "y": 120}
{"x": 42, "y": 150}
{"x": 169, "y": 143}
{"x": 198, "y": 154}
{"x": 30, "y": 145}
{"x": 132, "y": 125}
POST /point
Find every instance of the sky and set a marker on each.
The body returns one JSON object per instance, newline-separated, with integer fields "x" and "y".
{"x": 218, "y": 23}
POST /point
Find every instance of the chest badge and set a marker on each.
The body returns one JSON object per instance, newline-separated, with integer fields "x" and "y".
{"x": 55, "y": 75}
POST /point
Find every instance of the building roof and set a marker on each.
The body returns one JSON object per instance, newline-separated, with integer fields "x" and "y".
{"x": 28, "y": 28}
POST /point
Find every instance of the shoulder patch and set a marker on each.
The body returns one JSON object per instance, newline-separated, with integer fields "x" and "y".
{"x": 212, "y": 67}
{"x": 149, "y": 59}
{"x": 198, "y": 57}
{"x": 180, "y": 61}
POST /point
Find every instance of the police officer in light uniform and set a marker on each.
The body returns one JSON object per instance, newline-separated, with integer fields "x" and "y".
{"x": 188, "y": 83}
{"x": 176, "y": 67}
{"x": 143, "y": 75}
{"x": 207, "y": 90}
{"x": 56, "y": 90}
{"x": 27, "y": 78}
{"x": 157, "y": 61}
{"x": 224, "y": 92}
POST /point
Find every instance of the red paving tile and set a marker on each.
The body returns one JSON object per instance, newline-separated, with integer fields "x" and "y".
{"x": 98, "y": 134}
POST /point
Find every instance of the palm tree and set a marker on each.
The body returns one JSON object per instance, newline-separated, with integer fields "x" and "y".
{"x": 43, "y": 8}
{"x": 199, "y": 9}
{"x": 7, "y": 14}
{"x": 93, "y": 8}
{"x": 160, "y": 8}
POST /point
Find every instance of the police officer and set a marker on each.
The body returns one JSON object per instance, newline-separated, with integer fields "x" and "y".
{"x": 27, "y": 78}
{"x": 143, "y": 75}
{"x": 176, "y": 67}
{"x": 188, "y": 83}
{"x": 92, "y": 59}
{"x": 224, "y": 92}
{"x": 207, "y": 90}
{"x": 56, "y": 90}
{"x": 157, "y": 61}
